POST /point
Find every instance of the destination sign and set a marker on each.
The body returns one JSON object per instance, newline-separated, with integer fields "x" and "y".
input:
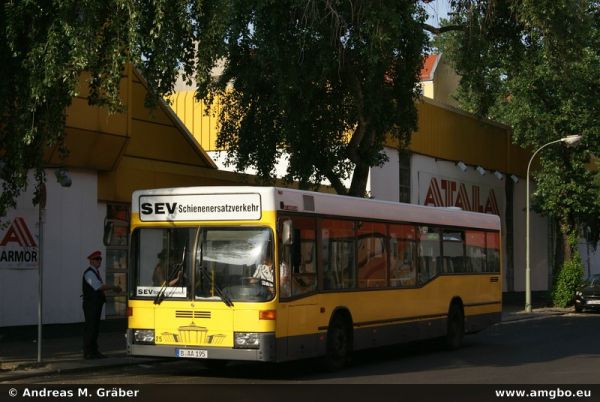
{"x": 200, "y": 207}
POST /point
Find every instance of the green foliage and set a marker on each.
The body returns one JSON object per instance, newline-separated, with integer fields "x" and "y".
{"x": 530, "y": 64}
{"x": 324, "y": 81}
{"x": 45, "y": 45}
{"x": 305, "y": 74}
{"x": 567, "y": 281}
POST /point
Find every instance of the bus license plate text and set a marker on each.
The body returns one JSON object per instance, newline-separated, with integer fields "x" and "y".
{"x": 192, "y": 353}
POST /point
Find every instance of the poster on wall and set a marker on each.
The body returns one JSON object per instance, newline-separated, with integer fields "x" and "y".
{"x": 19, "y": 239}
{"x": 439, "y": 191}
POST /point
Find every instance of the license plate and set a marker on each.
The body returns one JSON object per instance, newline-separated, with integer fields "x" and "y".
{"x": 593, "y": 302}
{"x": 192, "y": 353}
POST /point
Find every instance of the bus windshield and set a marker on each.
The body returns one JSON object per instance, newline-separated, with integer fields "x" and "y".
{"x": 236, "y": 264}
{"x": 228, "y": 264}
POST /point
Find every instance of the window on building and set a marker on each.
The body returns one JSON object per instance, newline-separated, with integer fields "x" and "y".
{"x": 404, "y": 175}
{"x": 116, "y": 240}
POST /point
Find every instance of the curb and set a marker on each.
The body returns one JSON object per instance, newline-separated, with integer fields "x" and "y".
{"x": 81, "y": 366}
{"x": 534, "y": 315}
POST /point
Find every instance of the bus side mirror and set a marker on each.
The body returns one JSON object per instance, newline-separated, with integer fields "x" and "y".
{"x": 286, "y": 233}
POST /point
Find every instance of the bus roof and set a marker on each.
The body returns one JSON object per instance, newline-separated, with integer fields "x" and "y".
{"x": 284, "y": 199}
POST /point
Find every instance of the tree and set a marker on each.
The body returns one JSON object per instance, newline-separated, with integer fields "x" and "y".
{"x": 531, "y": 65}
{"x": 47, "y": 44}
{"x": 323, "y": 81}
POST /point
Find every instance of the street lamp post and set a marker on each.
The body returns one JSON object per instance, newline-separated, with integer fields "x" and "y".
{"x": 569, "y": 140}
{"x": 63, "y": 178}
{"x": 41, "y": 210}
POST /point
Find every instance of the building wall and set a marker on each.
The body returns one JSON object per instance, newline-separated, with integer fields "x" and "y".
{"x": 590, "y": 257}
{"x": 73, "y": 216}
{"x": 439, "y": 81}
{"x": 384, "y": 180}
{"x": 428, "y": 89}
{"x": 445, "y": 83}
{"x": 193, "y": 114}
{"x": 448, "y": 133}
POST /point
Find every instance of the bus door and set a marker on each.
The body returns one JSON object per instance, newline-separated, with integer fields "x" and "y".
{"x": 298, "y": 279}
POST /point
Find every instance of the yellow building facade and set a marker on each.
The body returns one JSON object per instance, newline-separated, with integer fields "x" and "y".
{"x": 443, "y": 132}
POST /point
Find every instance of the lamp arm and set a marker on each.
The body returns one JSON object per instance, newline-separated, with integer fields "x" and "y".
{"x": 538, "y": 150}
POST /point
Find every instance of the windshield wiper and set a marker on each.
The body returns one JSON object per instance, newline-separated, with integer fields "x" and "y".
{"x": 172, "y": 274}
{"x": 226, "y": 299}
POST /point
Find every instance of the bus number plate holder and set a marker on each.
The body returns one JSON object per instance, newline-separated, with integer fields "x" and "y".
{"x": 192, "y": 353}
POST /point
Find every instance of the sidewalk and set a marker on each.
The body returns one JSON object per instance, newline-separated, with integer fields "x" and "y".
{"x": 18, "y": 357}
{"x": 513, "y": 313}
{"x": 60, "y": 354}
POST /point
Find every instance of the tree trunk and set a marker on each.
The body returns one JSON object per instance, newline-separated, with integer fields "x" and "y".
{"x": 563, "y": 250}
{"x": 568, "y": 229}
{"x": 358, "y": 187}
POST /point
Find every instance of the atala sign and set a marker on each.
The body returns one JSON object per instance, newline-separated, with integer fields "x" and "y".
{"x": 18, "y": 245}
{"x": 444, "y": 192}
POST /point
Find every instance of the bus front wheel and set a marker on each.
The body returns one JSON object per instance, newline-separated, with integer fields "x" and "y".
{"x": 456, "y": 328}
{"x": 339, "y": 344}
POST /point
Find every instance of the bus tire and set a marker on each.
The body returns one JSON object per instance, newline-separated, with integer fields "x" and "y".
{"x": 455, "y": 332}
{"x": 339, "y": 344}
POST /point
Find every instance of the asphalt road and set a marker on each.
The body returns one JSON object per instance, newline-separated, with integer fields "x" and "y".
{"x": 551, "y": 350}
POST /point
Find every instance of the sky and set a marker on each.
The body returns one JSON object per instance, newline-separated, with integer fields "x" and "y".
{"x": 437, "y": 9}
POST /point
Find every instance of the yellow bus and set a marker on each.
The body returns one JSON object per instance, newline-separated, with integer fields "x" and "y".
{"x": 275, "y": 274}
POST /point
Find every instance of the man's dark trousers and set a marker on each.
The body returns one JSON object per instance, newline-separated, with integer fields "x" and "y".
{"x": 92, "y": 311}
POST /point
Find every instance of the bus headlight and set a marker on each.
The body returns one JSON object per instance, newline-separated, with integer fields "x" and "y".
{"x": 246, "y": 340}
{"x": 143, "y": 336}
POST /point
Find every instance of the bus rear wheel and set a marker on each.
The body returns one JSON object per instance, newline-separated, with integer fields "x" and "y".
{"x": 456, "y": 328}
{"x": 339, "y": 344}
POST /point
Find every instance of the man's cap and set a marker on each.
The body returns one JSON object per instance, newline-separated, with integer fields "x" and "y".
{"x": 95, "y": 254}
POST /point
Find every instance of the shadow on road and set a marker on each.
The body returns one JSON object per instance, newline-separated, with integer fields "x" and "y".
{"x": 504, "y": 345}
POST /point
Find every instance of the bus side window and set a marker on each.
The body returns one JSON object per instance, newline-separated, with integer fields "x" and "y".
{"x": 338, "y": 262}
{"x": 493, "y": 252}
{"x": 403, "y": 256}
{"x": 372, "y": 255}
{"x": 429, "y": 253}
{"x": 296, "y": 254}
{"x": 475, "y": 250}
{"x": 453, "y": 249}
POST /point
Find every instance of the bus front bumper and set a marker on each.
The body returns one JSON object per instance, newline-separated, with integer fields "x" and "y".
{"x": 266, "y": 352}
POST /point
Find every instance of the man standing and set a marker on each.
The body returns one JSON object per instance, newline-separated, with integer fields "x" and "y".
{"x": 93, "y": 300}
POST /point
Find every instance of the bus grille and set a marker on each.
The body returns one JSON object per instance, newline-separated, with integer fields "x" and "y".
{"x": 192, "y": 314}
